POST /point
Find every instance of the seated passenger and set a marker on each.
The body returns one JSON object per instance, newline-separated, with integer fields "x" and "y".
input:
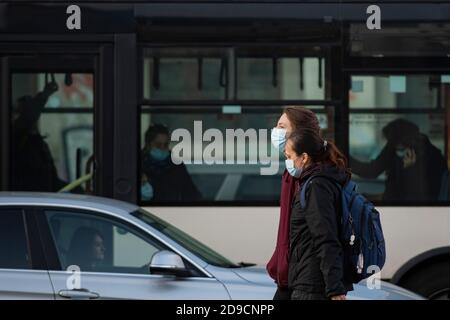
{"x": 170, "y": 182}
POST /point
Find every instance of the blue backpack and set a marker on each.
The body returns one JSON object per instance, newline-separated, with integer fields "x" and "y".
{"x": 360, "y": 232}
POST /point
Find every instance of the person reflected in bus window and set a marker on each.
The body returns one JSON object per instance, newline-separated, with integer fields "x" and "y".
{"x": 169, "y": 181}
{"x": 32, "y": 164}
{"x": 413, "y": 165}
{"x": 293, "y": 119}
{"x": 87, "y": 249}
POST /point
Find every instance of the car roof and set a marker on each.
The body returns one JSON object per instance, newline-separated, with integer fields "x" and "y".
{"x": 66, "y": 200}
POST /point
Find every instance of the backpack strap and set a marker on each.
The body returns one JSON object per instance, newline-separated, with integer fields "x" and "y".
{"x": 308, "y": 181}
{"x": 350, "y": 187}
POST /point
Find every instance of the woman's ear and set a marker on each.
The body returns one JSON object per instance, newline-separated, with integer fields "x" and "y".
{"x": 306, "y": 159}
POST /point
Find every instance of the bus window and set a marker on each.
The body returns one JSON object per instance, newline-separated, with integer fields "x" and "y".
{"x": 237, "y": 172}
{"x": 397, "y": 137}
{"x": 395, "y": 92}
{"x": 52, "y": 130}
{"x": 226, "y": 79}
{"x": 281, "y": 78}
{"x": 185, "y": 74}
{"x": 399, "y": 39}
{"x": 233, "y": 73}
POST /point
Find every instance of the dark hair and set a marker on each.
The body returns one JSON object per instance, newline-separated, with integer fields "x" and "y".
{"x": 80, "y": 245}
{"x": 401, "y": 131}
{"x": 154, "y": 130}
{"x": 23, "y": 103}
{"x": 308, "y": 141}
{"x": 302, "y": 118}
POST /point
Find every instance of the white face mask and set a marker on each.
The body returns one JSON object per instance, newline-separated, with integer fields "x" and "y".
{"x": 293, "y": 171}
{"x": 278, "y": 138}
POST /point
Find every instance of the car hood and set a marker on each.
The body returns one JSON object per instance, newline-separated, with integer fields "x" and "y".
{"x": 256, "y": 274}
{"x": 387, "y": 291}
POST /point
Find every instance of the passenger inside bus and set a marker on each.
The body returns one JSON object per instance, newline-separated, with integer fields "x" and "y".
{"x": 413, "y": 165}
{"x": 32, "y": 164}
{"x": 168, "y": 181}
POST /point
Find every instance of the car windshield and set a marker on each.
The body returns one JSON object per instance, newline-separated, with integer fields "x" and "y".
{"x": 185, "y": 240}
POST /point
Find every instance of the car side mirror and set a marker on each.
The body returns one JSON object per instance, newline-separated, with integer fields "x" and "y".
{"x": 166, "y": 262}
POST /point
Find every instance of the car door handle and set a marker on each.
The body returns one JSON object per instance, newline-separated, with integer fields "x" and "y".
{"x": 78, "y": 294}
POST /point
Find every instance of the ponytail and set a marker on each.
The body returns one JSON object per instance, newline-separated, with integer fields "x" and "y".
{"x": 333, "y": 155}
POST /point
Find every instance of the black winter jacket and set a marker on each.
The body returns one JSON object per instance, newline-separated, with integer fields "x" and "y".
{"x": 316, "y": 257}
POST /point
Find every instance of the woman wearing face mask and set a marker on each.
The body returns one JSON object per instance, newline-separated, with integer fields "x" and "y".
{"x": 293, "y": 118}
{"x": 413, "y": 165}
{"x": 168, "y": 181}
{"x": 316, "y": 266}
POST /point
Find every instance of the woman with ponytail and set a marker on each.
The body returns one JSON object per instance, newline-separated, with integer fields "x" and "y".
{"x": 293, "y": 119}
{"x": 316, "y": 267}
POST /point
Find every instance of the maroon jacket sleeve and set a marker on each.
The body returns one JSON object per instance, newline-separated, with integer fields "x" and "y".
{"x": 278, "y": 265}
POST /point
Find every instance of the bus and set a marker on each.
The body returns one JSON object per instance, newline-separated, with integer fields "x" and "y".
{"x": 88, "y": 81}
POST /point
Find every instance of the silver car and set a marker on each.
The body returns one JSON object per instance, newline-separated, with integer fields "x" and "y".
{"x": 61, "y": 246}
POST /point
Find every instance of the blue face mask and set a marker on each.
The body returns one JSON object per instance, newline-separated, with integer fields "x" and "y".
{"x": 293, "y": 171}
{"x": 159, "y": 154}
{"x": 278, "y": 138}
{"x": 146, "y": 192}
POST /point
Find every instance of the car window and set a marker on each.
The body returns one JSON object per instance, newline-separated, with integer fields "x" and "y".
{"x": 14, "y": 252}
{"x": 185, "y": 240}
{"x": 97, "y": 244}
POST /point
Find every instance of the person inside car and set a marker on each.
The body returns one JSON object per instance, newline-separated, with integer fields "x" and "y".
{"x": 87, "y": 249}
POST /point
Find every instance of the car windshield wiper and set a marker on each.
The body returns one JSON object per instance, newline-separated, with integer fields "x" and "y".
{"x": 246, "y": 264}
